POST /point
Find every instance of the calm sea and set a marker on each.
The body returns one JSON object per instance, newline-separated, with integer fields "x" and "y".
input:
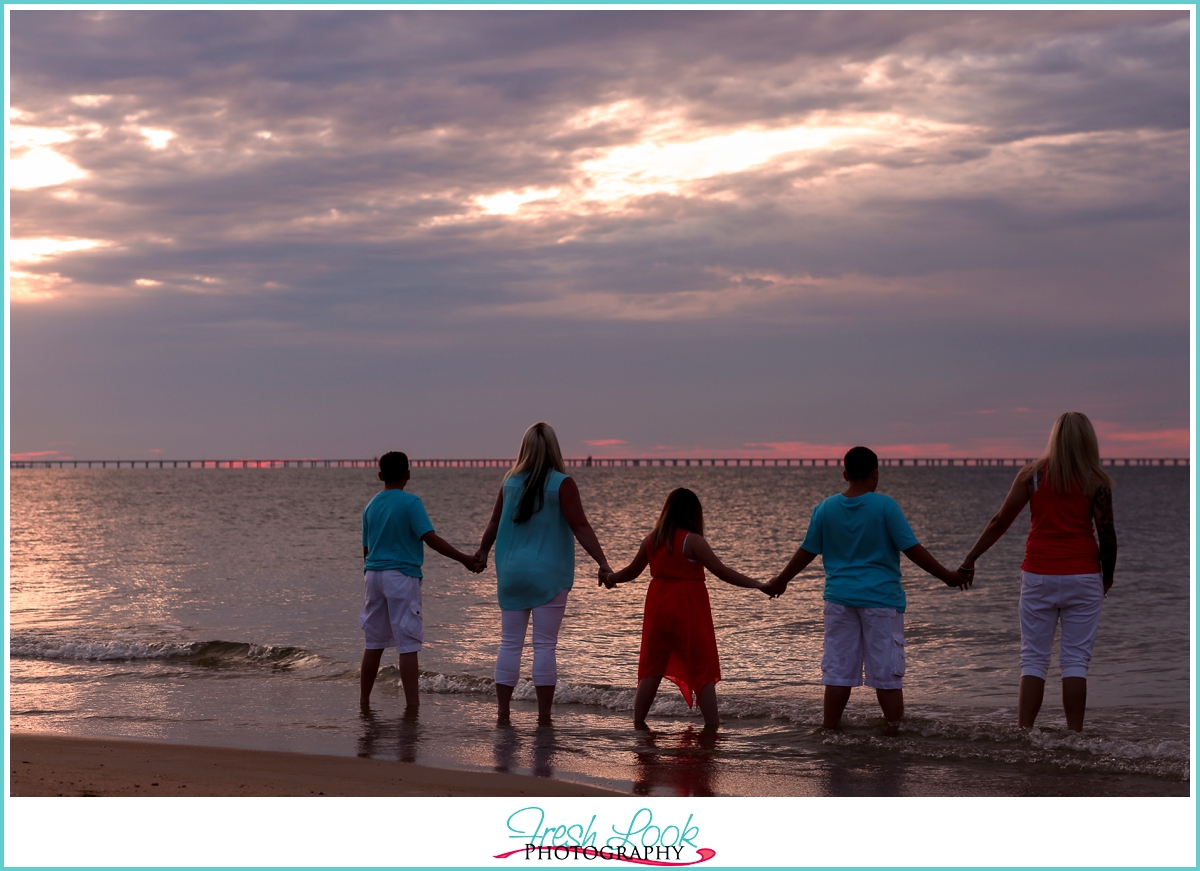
{"x": 221, "y": 606}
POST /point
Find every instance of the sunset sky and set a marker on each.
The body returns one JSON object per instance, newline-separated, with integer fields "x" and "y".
{"x": 310, "y": 233}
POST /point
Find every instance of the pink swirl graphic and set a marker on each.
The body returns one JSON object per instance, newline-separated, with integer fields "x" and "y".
{"x": 705, "y": 855}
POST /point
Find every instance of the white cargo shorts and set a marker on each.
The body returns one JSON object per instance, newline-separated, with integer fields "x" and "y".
{"x": 391, "y": 614}
{"x": 863, "y": 640}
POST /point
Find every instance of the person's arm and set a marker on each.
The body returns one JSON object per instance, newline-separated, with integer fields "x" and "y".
{"x": 572, "y": 509}
{"x": 1018, "y": 496}
{"x": 1102, "y": 516}
{"x": 640, "y": 560}
{"x": 489, "y": 533}
{"x": 696, "y": 548}
{"x": 924, "y": 560}
{"x": 446, "y": 549}
{"x": 798, "y": 563}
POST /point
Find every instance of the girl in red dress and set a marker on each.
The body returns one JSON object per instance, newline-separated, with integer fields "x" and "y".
{"x": 678, "y": 640}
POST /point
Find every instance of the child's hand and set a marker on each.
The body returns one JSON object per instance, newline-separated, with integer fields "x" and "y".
{"x": 775, "y": 587}
{"x": 605, "y": 576}
{"x": 480, "y": 561}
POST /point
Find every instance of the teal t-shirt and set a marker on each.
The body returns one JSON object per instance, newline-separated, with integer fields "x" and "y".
{"x": 535, "y": 560}
{"x": 860, "y": 540}
{"x": 392, "y": 525}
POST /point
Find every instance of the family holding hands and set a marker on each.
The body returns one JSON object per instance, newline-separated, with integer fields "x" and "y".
{"x": 859, "y": 534}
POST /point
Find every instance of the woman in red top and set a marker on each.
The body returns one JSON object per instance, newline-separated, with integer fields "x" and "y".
{"x": 678, "y": 639}
{"x": 1066, "y": 573}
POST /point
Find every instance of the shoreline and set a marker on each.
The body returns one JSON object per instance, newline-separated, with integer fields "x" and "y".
{"x": 48, "y": 764}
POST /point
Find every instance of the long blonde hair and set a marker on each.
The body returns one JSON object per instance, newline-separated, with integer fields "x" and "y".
{"x": 1072, "y": 456}
{"x": 539, "y": 455}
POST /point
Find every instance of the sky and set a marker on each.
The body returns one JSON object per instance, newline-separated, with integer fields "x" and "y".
{"x": 305, "y": 233}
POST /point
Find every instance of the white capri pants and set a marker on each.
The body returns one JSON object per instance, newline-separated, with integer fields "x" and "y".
{"x": 546, "y": 621}
{"x": 1076, "y": 601}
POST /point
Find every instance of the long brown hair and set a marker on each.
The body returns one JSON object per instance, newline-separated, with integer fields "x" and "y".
{"x": 682, "y": 510}
{"x": 539, "y": 455}
{"x": 1072, "y": 456}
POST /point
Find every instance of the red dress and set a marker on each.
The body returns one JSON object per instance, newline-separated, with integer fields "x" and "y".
{"x": 678, "y": 639}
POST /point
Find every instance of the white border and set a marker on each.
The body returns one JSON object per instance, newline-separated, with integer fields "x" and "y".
{"x": 297, "y": 832}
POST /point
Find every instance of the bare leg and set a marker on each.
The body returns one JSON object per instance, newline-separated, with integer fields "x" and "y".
{"x": 366, "y": 679}
{"x": 646, "y": 691}
{"x": 892, "y": 704}
{"x": 409, "y": 680}
{"x": 545, "y": 697}
{"x": 1074, "y": 701}
{"x": 706, "y": 699}
{"x": 835, "y": 703}
{"x": 1029, "y": 700}
{"x": 503, "y": 698}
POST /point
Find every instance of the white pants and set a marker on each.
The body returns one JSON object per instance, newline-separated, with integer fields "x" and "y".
{"x": 1076, "y": 601}
{"x": 546, "y": 621}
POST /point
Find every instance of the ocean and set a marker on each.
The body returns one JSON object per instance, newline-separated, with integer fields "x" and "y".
{"x": 221, "y": 607}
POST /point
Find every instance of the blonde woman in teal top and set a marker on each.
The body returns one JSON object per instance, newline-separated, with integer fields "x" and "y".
{"x": 536, "y": 521}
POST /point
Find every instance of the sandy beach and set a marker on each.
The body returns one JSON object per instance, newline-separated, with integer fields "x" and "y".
{"x": 44, "y": 764}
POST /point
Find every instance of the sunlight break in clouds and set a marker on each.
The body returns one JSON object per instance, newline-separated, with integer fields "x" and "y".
{"x": 660, "y": 165}
{"x": 508, "y": 202}
{"x": 37, "y": 250}
{"x": 157, "y": 138}
{"x": 42, "y": 286}
{"x": 669, "y": 155}
{"x": 33, "y": 163}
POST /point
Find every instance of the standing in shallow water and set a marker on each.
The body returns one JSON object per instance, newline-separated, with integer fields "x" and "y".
{"x": 860, "y": 535}
{"x": 1066, "y": 573}
{"x": 537, "y": 518}
{"x": 678, "y": 638}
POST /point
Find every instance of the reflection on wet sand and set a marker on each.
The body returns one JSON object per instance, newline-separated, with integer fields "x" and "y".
{"x": 507, "y": 743}
{"x": 389, "y": 737}
{"x": 838, "y": 778}
{"x": 681, "y": 764}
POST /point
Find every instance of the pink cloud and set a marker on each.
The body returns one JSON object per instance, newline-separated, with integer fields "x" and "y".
{"x": 35, "y": 455}
{"x": 603, "y": 443}
{"x": 1117, "y": 441}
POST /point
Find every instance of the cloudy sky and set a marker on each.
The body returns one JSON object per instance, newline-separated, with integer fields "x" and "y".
{"x": 725, "y": 233}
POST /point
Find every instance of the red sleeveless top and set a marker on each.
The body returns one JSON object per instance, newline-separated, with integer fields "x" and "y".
{"x": 1061, "y": 539}
{"x": 669, "y": 563}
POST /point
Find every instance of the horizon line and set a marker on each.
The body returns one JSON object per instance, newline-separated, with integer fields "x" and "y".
{"x": 573, "y": 462}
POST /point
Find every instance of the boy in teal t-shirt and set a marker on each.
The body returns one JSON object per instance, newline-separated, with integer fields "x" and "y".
{"x": 860, "y": 535}
{"x": 395, "y": 529}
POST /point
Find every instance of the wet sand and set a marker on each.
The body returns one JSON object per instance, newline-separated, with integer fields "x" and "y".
{"x": 44, "y": 764}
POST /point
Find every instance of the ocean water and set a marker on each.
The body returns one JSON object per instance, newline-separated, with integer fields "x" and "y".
{"x": 220, "y": 607}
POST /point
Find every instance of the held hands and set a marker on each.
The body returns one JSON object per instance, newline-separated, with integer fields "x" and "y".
{"x": 775, "y": 587}
{"x": 605, "y": 575}
{"x": 964, "y": 577}
{"x": 480, "y": 561}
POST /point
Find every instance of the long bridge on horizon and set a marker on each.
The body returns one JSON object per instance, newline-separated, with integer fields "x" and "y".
{"x": 572, "y": 462}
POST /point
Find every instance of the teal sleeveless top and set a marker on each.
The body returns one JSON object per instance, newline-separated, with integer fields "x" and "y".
{"x": 535, "y": 560}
